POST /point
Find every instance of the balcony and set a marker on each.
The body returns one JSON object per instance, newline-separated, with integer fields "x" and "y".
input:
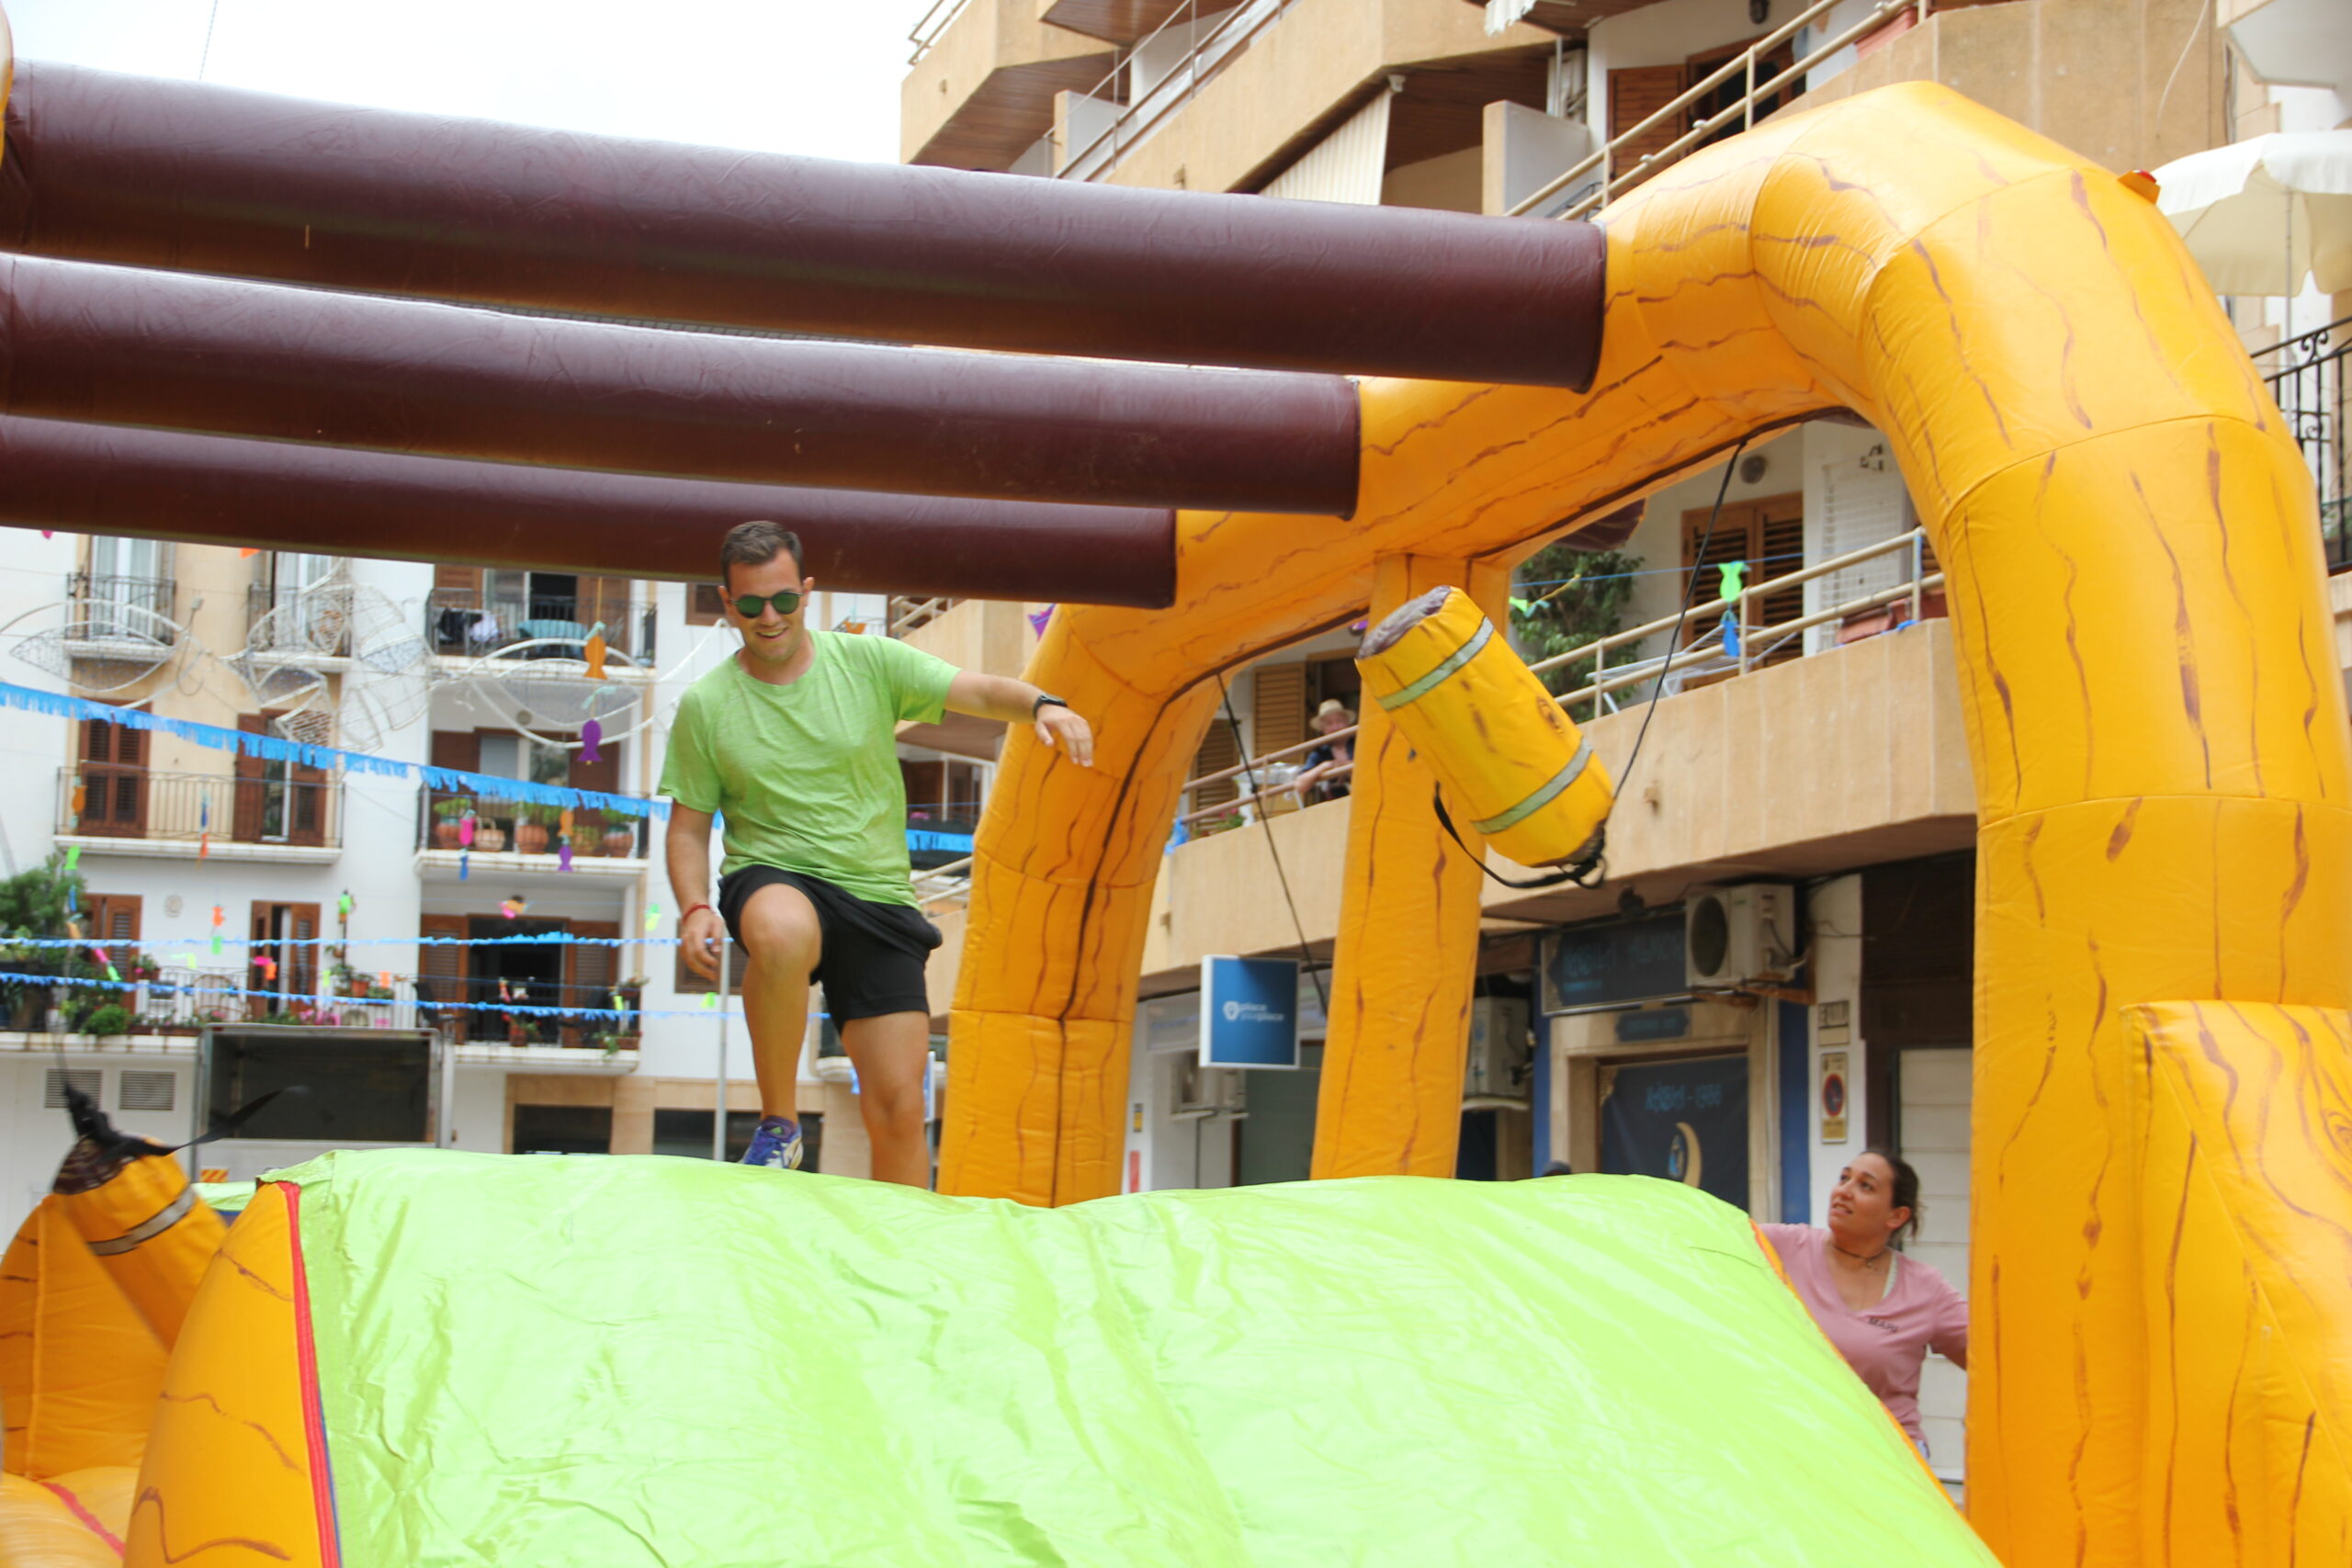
{"x": 991, "y": 635}
{"x": 2305, "y": 376}
{"x": 466, "y": 622}
{"x": 520, "y": 839}
{"x": 981, "y": 92}
{"x": 290, "y": 619}
{"x": 132, "y": 609}
{"x": 170, "y": 1000}
{"x": 117, "y": 809}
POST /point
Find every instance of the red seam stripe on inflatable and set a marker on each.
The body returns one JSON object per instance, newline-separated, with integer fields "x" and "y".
{"x": 97, "y": 1526}
{"x": 306, "y": 1350}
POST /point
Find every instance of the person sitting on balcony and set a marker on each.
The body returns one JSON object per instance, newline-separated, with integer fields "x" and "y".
{"x": 1320, "y": 778}
{"x": 794, "y": 740}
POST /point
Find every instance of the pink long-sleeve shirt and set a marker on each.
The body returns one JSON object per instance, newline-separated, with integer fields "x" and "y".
{"x": 1885, "y": 1342}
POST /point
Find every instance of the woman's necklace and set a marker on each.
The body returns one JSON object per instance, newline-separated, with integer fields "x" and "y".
{"x": 1871, "y": 1261}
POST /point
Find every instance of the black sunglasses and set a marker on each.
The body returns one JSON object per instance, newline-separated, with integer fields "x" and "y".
{"x": 751, "y": 605}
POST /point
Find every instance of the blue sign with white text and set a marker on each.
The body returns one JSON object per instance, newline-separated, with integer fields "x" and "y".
{"x": 1248, "y": 1012}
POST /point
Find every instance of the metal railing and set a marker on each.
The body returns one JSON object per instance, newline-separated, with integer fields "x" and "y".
{"x": 327, "y": 631}
{"x": 907, "y": 614}
{"x": 1134, "y": 121}
{"x": 2307, "y": 385}
{"x": 140, "y": 597}
{"x": 522, "y": 826}
{"x": 1730, "y": 646}
{"x": 933, "y": 22}
{"x": 468, "y": 623}
{"x": 1746, "y": 65}
{"x": 112, "y": 801}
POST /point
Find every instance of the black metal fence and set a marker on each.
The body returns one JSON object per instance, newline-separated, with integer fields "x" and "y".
{"x": 104, "y": 591}
{"x": 470, "y": 622}
{"x": 110, "y": 800}
{"x": 2306, "y": 377}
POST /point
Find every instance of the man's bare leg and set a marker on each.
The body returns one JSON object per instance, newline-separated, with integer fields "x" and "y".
{"x": 891, "y": 1052}
{"x": 784, "y": 940}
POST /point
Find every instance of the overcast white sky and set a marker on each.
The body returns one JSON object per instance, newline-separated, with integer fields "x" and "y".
{"x": 819, "y": 77}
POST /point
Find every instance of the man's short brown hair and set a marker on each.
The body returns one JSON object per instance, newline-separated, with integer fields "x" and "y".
{"x": 756, "y": 543}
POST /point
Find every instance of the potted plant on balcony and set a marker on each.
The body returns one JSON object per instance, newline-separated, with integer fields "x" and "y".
{"x": 620, "y": 836}
{"x": 447, "y": 814}
{"x": 532, "y": 823}
{"x": 108, "y": 1019}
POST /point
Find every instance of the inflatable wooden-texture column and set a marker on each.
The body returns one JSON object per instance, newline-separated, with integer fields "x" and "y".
{"x": 1390, "y": 1102}
{"x": 2156, "y": 721}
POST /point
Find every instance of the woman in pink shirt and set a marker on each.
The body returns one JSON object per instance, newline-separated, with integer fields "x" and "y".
{"x": 1884, "y": 1312}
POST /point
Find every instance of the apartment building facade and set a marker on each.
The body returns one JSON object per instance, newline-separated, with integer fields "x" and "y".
{"x": 371, "y": 920}
{"x": 1813, "y": 744}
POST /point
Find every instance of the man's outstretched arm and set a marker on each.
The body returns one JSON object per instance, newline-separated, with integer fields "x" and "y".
{"x": 1007, "y": 701}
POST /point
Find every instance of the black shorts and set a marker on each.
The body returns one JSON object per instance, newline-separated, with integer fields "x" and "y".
{"x": 874, "y": 954}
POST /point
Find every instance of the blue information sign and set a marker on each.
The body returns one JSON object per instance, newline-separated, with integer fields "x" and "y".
{"x": 1248, "y": 1012}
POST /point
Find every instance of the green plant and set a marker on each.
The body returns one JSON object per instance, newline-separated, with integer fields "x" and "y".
{"x": 37, "y": 900}
{"x": 1565, "y": 598}
{"x": 451, "y": 810}
{"x": 112, "y": 1017}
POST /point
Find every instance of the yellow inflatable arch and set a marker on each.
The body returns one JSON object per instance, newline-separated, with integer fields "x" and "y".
{"x": 2163, "y": 1201}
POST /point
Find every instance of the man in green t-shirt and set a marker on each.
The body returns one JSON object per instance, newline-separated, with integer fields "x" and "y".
{"x": 794, "y": 741}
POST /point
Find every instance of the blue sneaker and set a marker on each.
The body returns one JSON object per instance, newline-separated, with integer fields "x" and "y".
{"x": 775, "y": 1142}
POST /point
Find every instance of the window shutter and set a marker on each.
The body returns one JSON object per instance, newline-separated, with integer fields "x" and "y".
{"x": 1278, "y": 707}
{"x": 705, "y": 607}
{"x": 54, "y": 1083}
{"x": 589, "y": 973}
{"x": 1219, "y": 750}
{"x": 1637, "y": 92}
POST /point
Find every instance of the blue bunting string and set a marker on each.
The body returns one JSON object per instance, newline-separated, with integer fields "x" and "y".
{"x": 337, "y": 1004}
{"x": 277, "y": 749}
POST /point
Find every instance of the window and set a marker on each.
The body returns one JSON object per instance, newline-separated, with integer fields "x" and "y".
{"x": 565, "y": 1129}
{"x": 114, "y": 779}
{"x": 705, "y": 607}
{"x": 365, "y": 1086}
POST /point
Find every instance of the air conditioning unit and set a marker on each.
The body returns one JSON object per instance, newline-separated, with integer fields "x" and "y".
{"x": 1500, "y": 1051}
{"x": 1740, "y": 935}
{"x": 1209, "y": 1091}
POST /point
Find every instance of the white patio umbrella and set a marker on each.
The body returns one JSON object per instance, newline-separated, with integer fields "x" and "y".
{"x": 2260, "y": 215}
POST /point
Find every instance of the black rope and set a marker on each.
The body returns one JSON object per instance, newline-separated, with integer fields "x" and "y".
{"x": 1589, "y": 871}
{"x": 1674, "y": 639}
{"x": 1249, "y": 781}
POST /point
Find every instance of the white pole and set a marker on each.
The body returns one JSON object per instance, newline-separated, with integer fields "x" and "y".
{"x": 718, "y": 1105}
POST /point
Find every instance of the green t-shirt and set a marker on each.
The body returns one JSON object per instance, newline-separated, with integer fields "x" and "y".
{"x": 806, "y": 775}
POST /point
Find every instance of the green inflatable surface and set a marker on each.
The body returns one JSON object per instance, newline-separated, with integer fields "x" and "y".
{"x": 624, "y": 1362}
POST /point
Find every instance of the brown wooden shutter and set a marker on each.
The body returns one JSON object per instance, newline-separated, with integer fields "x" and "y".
{"x": 302, "y": 926}
{"x": 1278, "y": 707}
{"x": 1779, "y": 549}
{"x": 246, "y": 810}
{"x": 1734, "y": 539}
{"x": 704, "y": 604}
{"x": 442, "y": 969}
{"x": 1218, "y": 750}
{"x": 588, "y": 976}
{"x": 1637, "y": 92}
{"x": 687, "y": 983}
{"x": 926, "y": 783}
{"x": 114, "y": 779}
{"x": 603, "y": 776}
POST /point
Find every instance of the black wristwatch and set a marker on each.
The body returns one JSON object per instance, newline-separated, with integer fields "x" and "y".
{"x": 1043, "y": 698}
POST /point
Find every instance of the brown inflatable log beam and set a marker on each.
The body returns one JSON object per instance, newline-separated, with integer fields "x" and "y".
{"x": 277, "y": 495}
{"x": 175, "y": 351}
{"x": 181, "y": 174}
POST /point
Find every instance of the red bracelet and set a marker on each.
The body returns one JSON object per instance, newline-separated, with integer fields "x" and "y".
{"x": 682, "y": 918}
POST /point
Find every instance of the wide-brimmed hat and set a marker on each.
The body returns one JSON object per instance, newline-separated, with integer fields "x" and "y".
{"x": 1333, "y": 707}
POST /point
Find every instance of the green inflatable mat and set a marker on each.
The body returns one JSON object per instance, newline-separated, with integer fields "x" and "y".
{"x": 625, "y": 1362}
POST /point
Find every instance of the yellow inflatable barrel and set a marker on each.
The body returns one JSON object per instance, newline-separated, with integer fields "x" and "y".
{"x": 134, "y": 1209}
{"x": 79, "y": 1368}
{"x": 1515, "y": 763}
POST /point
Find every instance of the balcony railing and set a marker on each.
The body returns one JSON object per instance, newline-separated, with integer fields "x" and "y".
{"x": 323, "y": 628}
{"x": 933, "y": 22}
{"x": 527, "y": 827}
{"x": 110, "y": 800}
{"x": 1728, "y": 643}
{"x": 1135, "y": 123}
{"x": 1758, "y": 86}
{"x": 906, "y": 614}
{"x": 2306, "y": 377}
{"x": 171, "y": 1000}
{"x": 143, "y": 602}
{"x": 469, "y": 624}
